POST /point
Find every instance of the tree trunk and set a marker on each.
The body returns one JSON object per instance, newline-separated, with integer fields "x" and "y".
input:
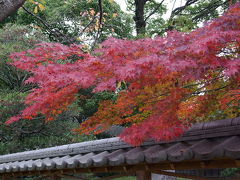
{"x": 7, "y": 7}
{"x": 139, "y": 16}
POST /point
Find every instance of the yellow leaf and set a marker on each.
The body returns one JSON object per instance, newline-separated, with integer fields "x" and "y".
{"x": 111, "y": 1}
{"x": 92, "y": 12}
{"x": 119, "y": 84}
{"x": 36, "y": 10}
{"x": 115, "y": 15}
{"x": 43, "y": 1}
{"x": 41, "y": 7}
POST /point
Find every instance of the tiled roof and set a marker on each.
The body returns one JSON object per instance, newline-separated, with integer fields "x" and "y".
{"x": 205, "y": 141}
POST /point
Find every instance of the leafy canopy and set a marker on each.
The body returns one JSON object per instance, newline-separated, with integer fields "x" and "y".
{"x": 163, "y": 84}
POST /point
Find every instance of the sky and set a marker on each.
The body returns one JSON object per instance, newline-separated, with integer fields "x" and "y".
{"x": 122, "y": 4}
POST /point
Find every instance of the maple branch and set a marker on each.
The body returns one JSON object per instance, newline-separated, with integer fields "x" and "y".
{"x": 158, "y": 6}
{"x": 209, "y": 90}
{"x": 188, "y": 86}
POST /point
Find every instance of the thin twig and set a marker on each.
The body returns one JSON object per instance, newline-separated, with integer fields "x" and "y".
{"x": 88, "y": 24}
{"x": 158, "y": 6}
{"x": 55, "y": 32}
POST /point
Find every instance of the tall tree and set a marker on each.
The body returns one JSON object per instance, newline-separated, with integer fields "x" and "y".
{"x": 139, "y": 16}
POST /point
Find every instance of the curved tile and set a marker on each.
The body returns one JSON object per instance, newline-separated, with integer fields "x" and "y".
{"x": 86, "y": 160}
{"x": 15, "y": 166}
{"x": 73, "y": 161}
{"x": 232, "y": 147}
{"x": 61, "y": 162}
{"x": 155, "y": 154}
{"x": 135, "y": 156}
{"x": 179, "y": 152}
{"x": 116, "y": 157}
{"x": 39, "y": 164}
{"x": 8, "y": 167}
{"x": 207, "y": 149}
{"x": 49, "y": 163}
{"x": 100, "y": 159}
{"x": 2, "y": 167}
{"x": 23, "y": 166}
{"x": 30, "y": 165}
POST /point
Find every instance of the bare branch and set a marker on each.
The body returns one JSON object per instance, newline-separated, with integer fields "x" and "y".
{"x": 208, "y": 10}
{"x": 157, "y": 7}
{"x": 55, "y": 32}
{"x": 94, "y": 18}
{"x": 181, "y": 8}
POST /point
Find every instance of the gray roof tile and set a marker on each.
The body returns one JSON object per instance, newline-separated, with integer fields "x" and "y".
{"x": 202, "y": 142}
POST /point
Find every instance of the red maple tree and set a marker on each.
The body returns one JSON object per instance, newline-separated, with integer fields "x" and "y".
{"x": 164, "y": 85}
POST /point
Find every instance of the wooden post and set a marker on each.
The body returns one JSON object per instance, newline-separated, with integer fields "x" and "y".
{"x": 5, "y": 178}
{"x": 55, "y": 177}
{"x": 143, "y": 175}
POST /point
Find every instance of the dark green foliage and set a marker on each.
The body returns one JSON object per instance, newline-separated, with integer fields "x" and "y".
{"x": 13, "y": 79}
{"x": 27, "y": 134}
{"x": 15, "y": 38}
{"x": 229, "y": 172}
{"x": 88, "y": 102}
{"x": 36, "y": 133}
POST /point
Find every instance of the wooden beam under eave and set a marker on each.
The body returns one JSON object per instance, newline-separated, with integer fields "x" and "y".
{"x": 55, "y": 177}
{"x": 116, "y": 176}
{"x": 143, "y": 175}
{"x": 71, "y": 177}
{"x": 41, "y": 178}
{"x": 210, "y": 164}
{"x": 183, "y": 175}
{"x": 5, "y": 178}
{"x": 9, "y": 178}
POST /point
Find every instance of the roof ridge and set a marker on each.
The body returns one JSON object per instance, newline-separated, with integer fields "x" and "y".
{"x": 216, "y": 124}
